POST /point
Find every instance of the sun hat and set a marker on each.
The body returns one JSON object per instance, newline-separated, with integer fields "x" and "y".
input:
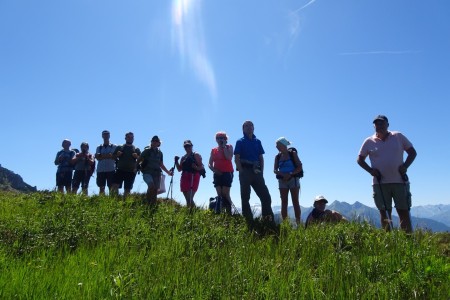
{"x": 320, "y": 198}
{"x": 283, "y": 141}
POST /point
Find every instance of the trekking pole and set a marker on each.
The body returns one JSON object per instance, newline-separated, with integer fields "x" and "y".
{"x": 407, "y": 192}
{"x": 170, "y": 189}
{"x": 190, "y": 192}
{"x": 384, "y": 202}
{"x": 234, "y": 207}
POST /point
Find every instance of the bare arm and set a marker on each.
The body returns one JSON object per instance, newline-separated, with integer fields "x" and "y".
{"x": 363, "y": 164}
{"x": 163, "y": 167}
{"x": 275, "y": 165}
{"x": 177, "y": 164}
{"x": 228, "y": 152}
{"x": 409, "y": 160}
{"x": 90, "y": 159}
{"x": 211, "y": 162}
{"x": 198, "y": 165}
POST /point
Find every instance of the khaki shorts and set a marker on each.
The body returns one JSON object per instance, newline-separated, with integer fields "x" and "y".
{"x": 294, "y": 182}
{"x": 397, "y": 191}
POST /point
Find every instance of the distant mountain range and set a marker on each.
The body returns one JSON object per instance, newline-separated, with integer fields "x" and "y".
{"x": 9, "y": 181}
{"x": 429, "y": 217}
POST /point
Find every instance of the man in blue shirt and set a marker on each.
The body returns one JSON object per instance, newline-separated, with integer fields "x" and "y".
{"x": 248, "y": 155}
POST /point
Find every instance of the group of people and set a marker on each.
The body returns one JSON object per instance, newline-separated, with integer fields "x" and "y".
{"x": 118, "y": 164}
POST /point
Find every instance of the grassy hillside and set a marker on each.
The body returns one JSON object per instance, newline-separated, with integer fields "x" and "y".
{"x": 73, "y": 247}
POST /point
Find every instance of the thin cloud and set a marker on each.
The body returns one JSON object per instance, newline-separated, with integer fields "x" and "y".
{"x": 295, "y": 23}
{"x": 379, "y": 52}
{"x": 189, "y": 39}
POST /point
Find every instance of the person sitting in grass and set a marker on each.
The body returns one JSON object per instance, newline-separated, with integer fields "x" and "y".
{"x": 319, "y": 214}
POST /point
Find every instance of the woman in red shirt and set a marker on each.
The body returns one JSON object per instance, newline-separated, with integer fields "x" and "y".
{"x": 221, "y": 165}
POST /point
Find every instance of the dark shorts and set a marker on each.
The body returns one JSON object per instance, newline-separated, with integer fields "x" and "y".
{"x": 64, "y": 178}
{"x": 223, "y": 180}
{"x": 105, "y": 177}
{"x": 384, "y": 193}
{"x": 80, "y": 178}
{"x": 126, "y": 177}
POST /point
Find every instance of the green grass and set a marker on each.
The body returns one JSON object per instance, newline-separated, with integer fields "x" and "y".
{"x": 74, "y": 247}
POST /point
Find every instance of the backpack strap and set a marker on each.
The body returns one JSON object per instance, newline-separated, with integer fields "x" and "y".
{"x": 278, "y": 157}
{"x": 291, "y": 156}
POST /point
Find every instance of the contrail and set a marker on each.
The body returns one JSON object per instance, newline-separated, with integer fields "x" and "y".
{"x": 379, "y": 52}
{"x": 304, "y": 6}
{"x": 189, "y": 39}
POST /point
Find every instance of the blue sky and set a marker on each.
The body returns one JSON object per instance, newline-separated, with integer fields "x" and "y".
{"x": 316, "y": 72}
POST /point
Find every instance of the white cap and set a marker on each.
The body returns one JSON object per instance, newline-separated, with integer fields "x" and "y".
{"x": 320, "y": 198}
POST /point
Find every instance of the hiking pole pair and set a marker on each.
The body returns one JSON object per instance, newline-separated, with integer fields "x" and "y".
{"x": 384, "y": 202}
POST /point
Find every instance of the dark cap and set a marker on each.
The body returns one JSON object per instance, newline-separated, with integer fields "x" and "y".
{"x": 156, "y": 139}
{"x": 380, "y": 117}
{"x": 105, "y": 132}
{"x": 187, "y": 142}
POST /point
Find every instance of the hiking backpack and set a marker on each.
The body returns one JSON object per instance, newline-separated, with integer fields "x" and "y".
{"x": 291, "y": 156}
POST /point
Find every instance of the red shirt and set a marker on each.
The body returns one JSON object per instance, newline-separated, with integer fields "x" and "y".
{"x": 220, "y": 162}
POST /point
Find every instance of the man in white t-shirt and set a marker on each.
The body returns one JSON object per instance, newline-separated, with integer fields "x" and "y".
{"x": 106, "y": 163}
{"x": 385, "y": 150}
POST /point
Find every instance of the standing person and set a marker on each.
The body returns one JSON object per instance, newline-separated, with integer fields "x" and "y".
{"x": 151, "y": 160}
{"x": 82, "y": 162}
{"x": 106, "y": 163}
{"x": 64, "y": 172}
{"x": 287, "y": 166}
{"x": 385, "y": 150}
{"x": 192, "y": 166}
{"x": 221, "y": 165}
{"x": 126, "y": 168}
{"x": 248, "y": 156}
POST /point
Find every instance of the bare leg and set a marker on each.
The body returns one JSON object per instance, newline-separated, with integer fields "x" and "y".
{"x": 151, "y": 194}
{"x": 74, "y": 189}
{"x": 385, "y": 219}
{"x": 284, "y": 193}
{"x": 405, "y": 220}
{"x": 101, "y": 190}
{"x": 224, "y": 192}
{"x": 114, "y": 190}
{"x": 189, "y": 196}
{"x": 295, "y": 192}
